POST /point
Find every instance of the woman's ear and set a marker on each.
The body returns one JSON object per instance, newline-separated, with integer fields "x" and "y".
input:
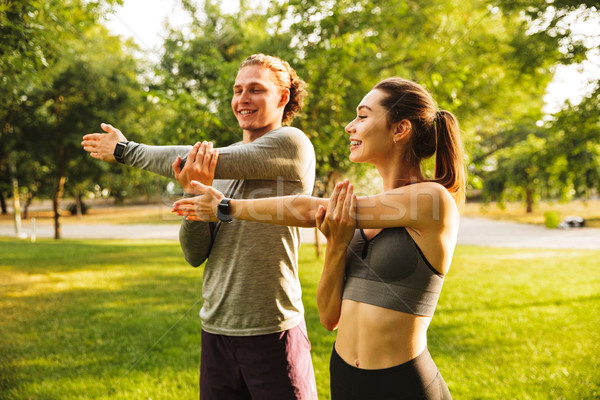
{"x": 285, "y": 97}
{"x": 401, "y": 130}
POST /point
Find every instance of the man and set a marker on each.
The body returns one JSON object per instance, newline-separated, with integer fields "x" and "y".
{"x": 254, "y": 343}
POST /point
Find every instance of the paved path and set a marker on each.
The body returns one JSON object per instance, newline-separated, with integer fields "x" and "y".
{"x": 486, "y": 232}
{"x": 474, "y": 231}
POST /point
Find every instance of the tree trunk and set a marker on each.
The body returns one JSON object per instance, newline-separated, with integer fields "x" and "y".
{"x": 27, "y": 204}
{"x": 529, "y": 200}
{"x": 56, "y": 205}
{"x": 16, "y": 203}
{"x": 4, "y": 130}
{"x": 78, "y": 206}
{"x": 61, "y": 171}
{"x": 3, "y": 204}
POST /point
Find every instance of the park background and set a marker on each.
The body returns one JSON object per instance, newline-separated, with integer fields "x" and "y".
{"x": 117, "y": 319}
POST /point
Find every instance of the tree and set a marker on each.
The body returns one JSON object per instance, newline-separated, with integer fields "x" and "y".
{"x": 559, "y": 159}
{"x": 577, "y": 146}
{"x": 90, "y": 79}
{"x": 480, "y": 61}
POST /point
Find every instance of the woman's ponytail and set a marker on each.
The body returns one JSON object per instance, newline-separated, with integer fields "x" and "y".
{"x": 449, "y": 161}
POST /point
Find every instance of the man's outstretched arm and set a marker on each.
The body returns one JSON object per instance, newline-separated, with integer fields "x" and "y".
{"x": 157, "y": 159}
{"x": 286, "y": 153}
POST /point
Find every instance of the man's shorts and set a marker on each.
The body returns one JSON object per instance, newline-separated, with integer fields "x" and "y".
{"x": 274, "y": 366}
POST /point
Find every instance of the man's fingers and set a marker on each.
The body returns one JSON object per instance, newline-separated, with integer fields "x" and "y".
{"x": 208, "y": 155}
{"x": 113, "y": 131}
{"x": 213, "y": 162}
{"x": 107, "y": 127}
{"x": 193, "y": 152}
{"x": 176, "y": 166}
{"x": 93, "y": 136}
{"x": 89, "y": 143}
{"x": 200, "y": 157}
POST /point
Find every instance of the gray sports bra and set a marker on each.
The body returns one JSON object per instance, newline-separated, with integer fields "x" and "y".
{"x": 390, "y": 271}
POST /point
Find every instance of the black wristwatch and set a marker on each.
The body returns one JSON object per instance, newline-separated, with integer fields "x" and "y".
{"x": 224, "y": 211}
{"x": 120, "y": 151}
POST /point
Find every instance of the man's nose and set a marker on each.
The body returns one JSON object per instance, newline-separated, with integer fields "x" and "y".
{"x": 244, "y": 96}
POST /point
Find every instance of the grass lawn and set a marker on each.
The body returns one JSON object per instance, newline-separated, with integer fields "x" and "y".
{"x": 119, "y": 320}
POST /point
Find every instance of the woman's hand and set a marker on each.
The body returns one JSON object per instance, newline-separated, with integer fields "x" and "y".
{"x": 338, "y": 221}
{"x": 199, "y": 166}
{"x": 202, "y": 207}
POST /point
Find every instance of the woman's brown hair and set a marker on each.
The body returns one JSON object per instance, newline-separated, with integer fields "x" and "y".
{"x": 287, "y": 78}
{"x": 433, "y": 132}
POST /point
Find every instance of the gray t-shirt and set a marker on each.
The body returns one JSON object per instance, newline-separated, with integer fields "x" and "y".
{"x": 250, "y": 282}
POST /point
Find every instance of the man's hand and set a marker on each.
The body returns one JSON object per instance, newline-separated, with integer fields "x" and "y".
{"x": 200, "y": 166}
{"x": 102, "y": 145}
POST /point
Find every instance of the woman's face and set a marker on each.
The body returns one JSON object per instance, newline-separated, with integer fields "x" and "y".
{"x": 371, "y": 139}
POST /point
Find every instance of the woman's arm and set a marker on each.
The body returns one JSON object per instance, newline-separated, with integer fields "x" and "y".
{"x": 420, "y": 205}
{"x": 286, "y": 210}
{"x": 338, "y": 224}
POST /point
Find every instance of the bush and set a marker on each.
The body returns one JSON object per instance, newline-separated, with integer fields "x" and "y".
{"x": 551, "y": 219}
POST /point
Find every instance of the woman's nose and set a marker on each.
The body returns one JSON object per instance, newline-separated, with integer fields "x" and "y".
{"x": 349, "y": 127}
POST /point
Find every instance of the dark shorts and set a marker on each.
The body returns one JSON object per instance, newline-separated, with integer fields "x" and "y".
{"x": 274, "y": 366}
{"x": 418, "y": 378}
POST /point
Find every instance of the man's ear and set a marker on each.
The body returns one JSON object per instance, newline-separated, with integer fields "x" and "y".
{"x": 401, "y": 130}
{"x": 285, "y": 97}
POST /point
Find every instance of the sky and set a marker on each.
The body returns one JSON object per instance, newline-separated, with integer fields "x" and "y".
{"x": 144, "y": 21}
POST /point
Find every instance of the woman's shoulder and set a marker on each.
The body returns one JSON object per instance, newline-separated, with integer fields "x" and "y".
{"x": 426, "y": 189}
{"x": 429, "y": 201}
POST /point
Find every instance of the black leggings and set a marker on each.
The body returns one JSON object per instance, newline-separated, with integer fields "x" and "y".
{"x": 418, "y": 378}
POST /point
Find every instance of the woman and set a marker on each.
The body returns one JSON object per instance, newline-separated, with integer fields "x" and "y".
{"x": 379, "y": 287}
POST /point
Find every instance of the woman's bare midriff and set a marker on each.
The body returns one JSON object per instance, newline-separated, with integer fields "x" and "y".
{"x": 372, "y": 337}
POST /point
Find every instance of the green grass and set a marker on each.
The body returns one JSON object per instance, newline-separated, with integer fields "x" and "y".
{"x": 119, "y": 320}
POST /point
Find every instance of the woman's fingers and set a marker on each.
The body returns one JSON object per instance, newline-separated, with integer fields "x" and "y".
{"x": 319, "y": 215}
{"x": 334, "y": 198}
{"x": 335, "y": 211}
{"x": 348, "y": 200}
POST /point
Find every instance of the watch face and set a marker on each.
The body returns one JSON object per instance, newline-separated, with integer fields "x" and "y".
{"x": 119, "y": 150}
{"x": 223, "y": 211}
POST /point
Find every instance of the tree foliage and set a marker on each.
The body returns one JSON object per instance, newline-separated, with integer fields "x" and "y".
{"x": 487, "y": 62}
{"x": 557, "y": 159}
{"x": 478, "y": 60}
{"x": 83, "y": 76}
